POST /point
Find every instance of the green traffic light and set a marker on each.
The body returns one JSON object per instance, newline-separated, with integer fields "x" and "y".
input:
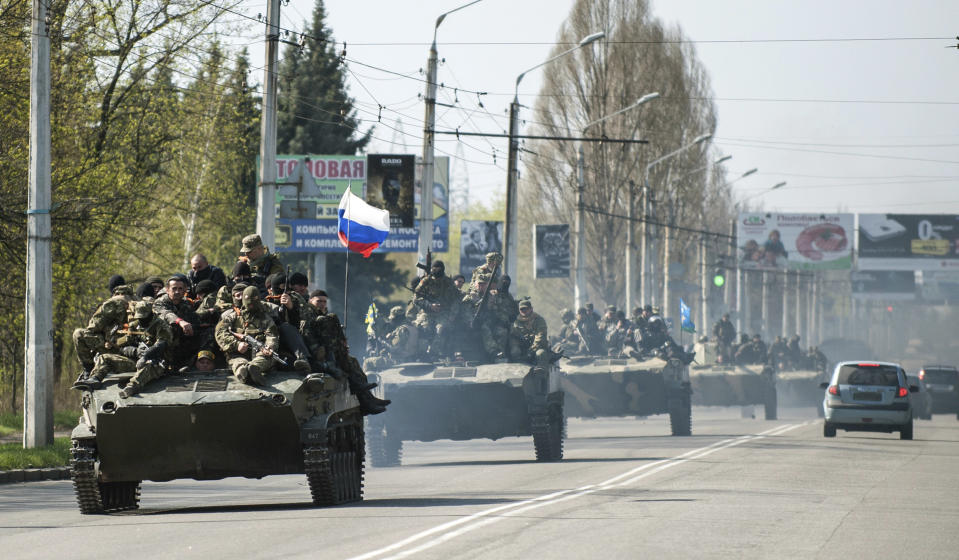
{"x": 719, "y": 280}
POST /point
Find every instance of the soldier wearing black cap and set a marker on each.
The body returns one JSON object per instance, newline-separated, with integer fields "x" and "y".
{"x": 286, "y": 309}
{"x": 437, "y": 297}
{"x": 148, "y": 341}
{"x": 201, "y": 269}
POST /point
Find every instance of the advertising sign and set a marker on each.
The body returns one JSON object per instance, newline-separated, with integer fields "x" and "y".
{"x": 883, "y": 285}
{"x": 908, "y": 242}
{"x": 389, "y": 185}
{"x": 794, "y": 241}
{"x": 309, "y": 189}
{"x": 551, "y": 247}
{"x": 477, "y": 238}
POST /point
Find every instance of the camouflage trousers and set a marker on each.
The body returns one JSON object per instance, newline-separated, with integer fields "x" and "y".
{"x": 105, "y": 364}
{"x": 494, "y": 338}
{"x": 519, "y": 350}
{"x": 265, "y": 363}
{"x": 87, "y": 343}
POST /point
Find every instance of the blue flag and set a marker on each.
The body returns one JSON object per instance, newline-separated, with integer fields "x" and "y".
{"x": 686, "y": 322}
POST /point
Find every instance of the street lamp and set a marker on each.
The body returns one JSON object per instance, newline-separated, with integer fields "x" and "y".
{"x": 509, "y": 232}
{"x": 760, "y": 193}
{"x": 579, "y": 289}
{"x": 426, "y": 182}
{"x": 645, "y": 249}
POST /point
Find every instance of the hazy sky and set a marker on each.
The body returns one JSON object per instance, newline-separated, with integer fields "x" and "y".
{"x": 853, "y": 103}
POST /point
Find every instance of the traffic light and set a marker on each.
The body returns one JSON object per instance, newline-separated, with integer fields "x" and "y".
{"x": 719, "y": 278}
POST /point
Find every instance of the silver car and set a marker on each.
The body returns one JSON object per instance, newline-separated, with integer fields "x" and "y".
{"x": 869, "y": 397}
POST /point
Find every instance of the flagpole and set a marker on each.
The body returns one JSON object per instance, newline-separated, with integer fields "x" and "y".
{"x": 346, "y": 276}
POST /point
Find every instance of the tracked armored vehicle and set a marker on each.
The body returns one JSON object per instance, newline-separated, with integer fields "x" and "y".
{"x": 467, "y": 400}
{"x": 597, "y": 386}
{"x": 209, "y": 426}
{"x": 716, "y": 384}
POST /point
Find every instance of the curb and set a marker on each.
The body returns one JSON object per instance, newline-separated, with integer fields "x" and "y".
{"x": 34, "y": 475}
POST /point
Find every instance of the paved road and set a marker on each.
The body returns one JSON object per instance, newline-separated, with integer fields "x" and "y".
{"x": 738, "y": 488}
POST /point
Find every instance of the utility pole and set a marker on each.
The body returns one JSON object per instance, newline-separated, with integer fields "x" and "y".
{"x": 644, "y": 248}
{"x": 704, "y": 286}
{"x": 579, "y": 287}
{"x": 629, "y": 247}
{"x": 38, "y": 337}
{"x": 785, "y": 324}
{"x": 426, "y": 184}
{"x": 509, "y": 228}
{"x": 266, "y": 194}
{"x": 764, "y": 306}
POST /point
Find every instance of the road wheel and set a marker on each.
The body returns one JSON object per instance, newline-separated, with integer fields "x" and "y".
{"x": 335, "y": 471}
{"x": 94, "y": 496}
{"x": 906, "y": 431}
{"x": 828, "y": 430}
{"x": 385, "y": 450}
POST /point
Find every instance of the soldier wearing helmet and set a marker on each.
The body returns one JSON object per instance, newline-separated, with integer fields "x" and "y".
{"x": 491, "y": 268}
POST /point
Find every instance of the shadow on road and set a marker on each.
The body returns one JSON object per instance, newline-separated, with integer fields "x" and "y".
{"x": 534, "y": 462}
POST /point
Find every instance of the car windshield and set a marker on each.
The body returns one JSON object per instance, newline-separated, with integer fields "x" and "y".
{"x": 941, "y": 375}
{"x": 857, "y": 374}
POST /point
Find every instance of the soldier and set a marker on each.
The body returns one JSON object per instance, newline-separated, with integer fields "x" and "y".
{"x": 816, "y": 360}
{"x": 250, "y": 318}
{"x": 529, "y": 341}
{"x": 794, "y": 356}
{"x": 725, "y": 334}
{"x": 190, "y": 335}
{"x": 149, "y": 340}
{"x": 568, "y": 338}
{"x": 319, "y": 300}
{"x": 494, "y": 262}
{"x": 262, "y": 262}
{"x": 458, "y": 281}
{"x": 300, "y": 284}
{"x": 752, "y": 352}
{"x": 619, "y": 339}
{"x": 201, "y": 269}
{"x": 205, "y": 361}
{"x": 778, "y": 354}
{"x": 438, "y": 297}
{"x": 485, "y": 316}
{"x": 591, "y": 341}
{"x": 100, "y": 334}
{"x": 287, "y": 310}
{"x": 608, "y": 321}
{"x": 207, "y": 305}
{"x": 591, "y": 313}
{"x": 240, "y": 273}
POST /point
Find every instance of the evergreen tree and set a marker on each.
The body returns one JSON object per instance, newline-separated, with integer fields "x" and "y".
{"x": 315, "y": 114}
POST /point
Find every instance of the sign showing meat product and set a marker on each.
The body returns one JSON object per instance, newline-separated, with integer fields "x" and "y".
{"x": 795, "y": 241}
{"x": 908, "y": 242}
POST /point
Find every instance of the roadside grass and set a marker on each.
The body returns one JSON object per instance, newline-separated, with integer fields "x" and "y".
{"x": 13, "y": 456}
{"x": 13, "y": 422}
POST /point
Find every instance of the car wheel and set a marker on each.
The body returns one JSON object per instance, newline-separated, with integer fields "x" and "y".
{"x": 828, "y": 430}
{"x": 906, "y": 431}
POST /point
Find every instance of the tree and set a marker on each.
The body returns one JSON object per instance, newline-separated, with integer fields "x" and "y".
{"x": 639, "y": 56}
{"x": 315, "y": 114}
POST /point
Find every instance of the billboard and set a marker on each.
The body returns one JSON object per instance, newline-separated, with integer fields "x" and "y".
{"x": 308, "y": 192}
{"x": 551, "y": 247}
{"x": 908, "y": 242}
{"x": 884, "y": 285}
{"x": 389, "y": 185}
{"x": 478, "y": 237}
{"x": 794, "y": 241}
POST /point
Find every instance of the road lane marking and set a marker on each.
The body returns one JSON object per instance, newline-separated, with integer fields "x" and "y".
{"x": 452, "y": 529}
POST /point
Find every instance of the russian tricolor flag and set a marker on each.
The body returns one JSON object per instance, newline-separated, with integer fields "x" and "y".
{"x": 361, "y": 227}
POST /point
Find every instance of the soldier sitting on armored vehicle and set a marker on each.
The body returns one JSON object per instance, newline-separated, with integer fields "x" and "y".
{"x": 568, "y": 338}
{"x": 794, "y": 355}
{"x": 753, "y": 352}
{"x": 778, "y": 354}
{"x": 608, "y": 322}
{"x": 590, "y": 340}
{"x": 100, "y": 333}
{"x": 529, "y": 340}
{"x": 725, "y": 334}
{"x": 490, "y": 269}
{"x": 619, "y": 340}
{"x": 438, "y": 298}
{"x": 487, "y": 316}
{"x": 286, "y": 309}
{"x": 248, "y": 319}
{"x": 148, "y": 340}
{"x": 189, "y": 334}
{"x": 816, "y": 360}
{"x": 262, "y": 262}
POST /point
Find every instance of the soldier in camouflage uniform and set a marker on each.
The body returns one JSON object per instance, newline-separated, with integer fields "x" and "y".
{"x": 190, "y": 333}
{"x": 262, "y": 262}
{"x": 289, "y": 311}
{"x": 438, "y": 298}
{"x": 149, "y": 340}
{"x": 491, "y": 269}
{"x": 100, "y": 333}
{"x": 529, "y": 341}
{"x": 250, "y": 318}
{"x": 488, "y": 317}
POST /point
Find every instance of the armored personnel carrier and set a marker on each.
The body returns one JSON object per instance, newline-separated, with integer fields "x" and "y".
{"x": 209, "y": 426}
{"x": 717, "y": 384}
{"x": 598, "y": 386}
{"x": 467, "y": 400}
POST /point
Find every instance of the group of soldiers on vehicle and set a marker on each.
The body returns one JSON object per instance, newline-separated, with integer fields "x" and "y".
{"x": 447, "y": 320}
{"x": 258, "y": 320}
{"x": 642, "y": 335}
{"x": 782, "y": 354}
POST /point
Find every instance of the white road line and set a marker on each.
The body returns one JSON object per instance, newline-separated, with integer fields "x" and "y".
{"x": 456, "y": 528}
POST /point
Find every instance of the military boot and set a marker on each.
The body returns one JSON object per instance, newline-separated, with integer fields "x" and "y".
{"x": 302, "y": 363}
{"x": 87, "y": 381}
{"x": 242, "y": 374}
{"x": 256, "y": 374}
{"x": 131, "y": 389}
{"x": 370, "y": 404}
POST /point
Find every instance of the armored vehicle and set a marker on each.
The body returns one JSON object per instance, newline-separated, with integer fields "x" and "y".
{"x": 209, "y": 426}
{"x": 467, "y": 400}
{"x": 717, "y": 384}
{"x": 599, "y": 386}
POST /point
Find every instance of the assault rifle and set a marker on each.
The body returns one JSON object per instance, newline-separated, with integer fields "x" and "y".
{"x": 258, "y": 346}
{"x": 579, "y": 331}
{"x": 429, "y": 262}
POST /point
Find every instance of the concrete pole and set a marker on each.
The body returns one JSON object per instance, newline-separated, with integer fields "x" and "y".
{"x": 798, "y": 311}
{"x": 629, "y": 248}
{"x": 667, "y": 309}
{"x": 579, "y": 288}
{"x": 510, "y": 232}
{"x": 728, "y": 289}
{"x": 746, "y": 300}
{"x": 813, "y": 310}
{"x": 426, "y": 186}
{"x": 644, "y": 250}
{"x": 266, "y": 194}
{"x": 38, "y": 337}
{"x": 785, "y": 326}
{"x": 704, "y": 287}
{"x": 319, "y": 271}
{"x": 764, "y": 307}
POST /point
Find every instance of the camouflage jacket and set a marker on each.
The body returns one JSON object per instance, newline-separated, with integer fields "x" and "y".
{"x": 156, "y": 330}
{"x": 165, "y": 309}
{"x": 484, "y": 269}
{"x": 432, "y": 290}
{"x": 267, "y": 264}
{"x": 258, "y": 325}
{"x": 497, "y": 310}
{"x": 207, "y": 309}
{"x": 532, "y": 330}
{"x": 280, "y": 314}
{"x": 111, "y": 313}
{"x": 224, "y": 299}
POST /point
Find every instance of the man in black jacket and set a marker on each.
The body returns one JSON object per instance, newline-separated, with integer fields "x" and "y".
{"x": 201, "y": 269}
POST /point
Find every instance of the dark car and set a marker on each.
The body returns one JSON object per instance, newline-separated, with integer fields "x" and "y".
{"x": 943, "y": 384}
{"x": 921, "y": 401}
